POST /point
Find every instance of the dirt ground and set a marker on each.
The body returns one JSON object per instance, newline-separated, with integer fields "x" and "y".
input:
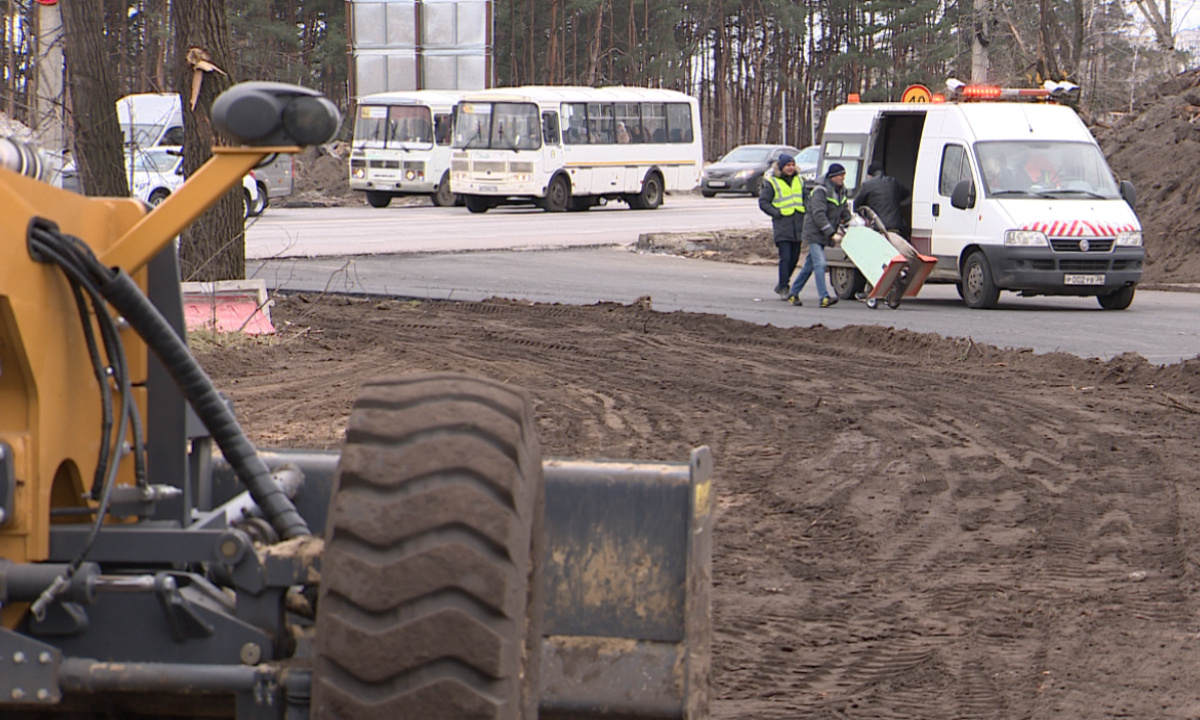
{"x": 908, "y": 526}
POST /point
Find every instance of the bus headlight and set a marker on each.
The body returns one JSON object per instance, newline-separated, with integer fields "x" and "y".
{"x": 1129, "y": 238}
{"x": 1025, "y": 238}
{"x": 520, "y": 177}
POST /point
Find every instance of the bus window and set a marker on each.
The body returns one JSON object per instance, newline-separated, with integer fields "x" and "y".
{"x": 679, "y": 119}
{"x": 628, "y": 115}
{"x": 441, "y": 128}
{"x": 600, "y": 122}
{"x": 574, "y": 123}
{"x": 472, "y": 125}
{"x": 371, "y": 126}
{"x": 654, "y": 122}
{"x": 516, "y": 126}
{"x": 409, "y": 124}
{"x": 550, "y": 128}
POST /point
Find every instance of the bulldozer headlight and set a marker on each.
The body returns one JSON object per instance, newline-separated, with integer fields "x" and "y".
{"x": 270, "y": 113}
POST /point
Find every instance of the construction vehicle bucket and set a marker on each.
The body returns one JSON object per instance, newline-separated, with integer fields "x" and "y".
{"x": 628, "y": 577}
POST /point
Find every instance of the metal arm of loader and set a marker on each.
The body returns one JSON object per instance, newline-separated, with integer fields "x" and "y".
{"x": 134, "y": 248}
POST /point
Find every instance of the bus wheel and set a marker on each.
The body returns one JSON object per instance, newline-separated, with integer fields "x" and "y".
{"x": 558, "y": 195}
{"x": 651, "y": 195}
{"x": 477, "y": 203}
{"x": 442, "y": 197}
{"x": 378, "y": 199}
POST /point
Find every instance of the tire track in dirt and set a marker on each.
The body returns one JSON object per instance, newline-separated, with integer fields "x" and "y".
{"x": 908, "y": 526}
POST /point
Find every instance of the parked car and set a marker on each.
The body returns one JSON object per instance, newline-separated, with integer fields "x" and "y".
{"x": 807, "y": 161}
{"x": 741, "y": 169}
{"x": 156, "y": 172}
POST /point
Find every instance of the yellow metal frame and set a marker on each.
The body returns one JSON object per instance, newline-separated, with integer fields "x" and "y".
{"x": 49, "y": 397}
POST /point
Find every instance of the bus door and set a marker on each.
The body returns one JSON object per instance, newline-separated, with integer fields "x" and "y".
{"x": 576, "y": 141}
{"x": 552, "y": 151}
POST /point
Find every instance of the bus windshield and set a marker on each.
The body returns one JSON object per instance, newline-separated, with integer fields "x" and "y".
{"x": 1060, "y": 169}
{"x": 498, "y": 126}
{"x": 394, "y": 126}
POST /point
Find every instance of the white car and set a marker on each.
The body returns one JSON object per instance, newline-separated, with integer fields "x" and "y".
{"x": 156, "y": 172}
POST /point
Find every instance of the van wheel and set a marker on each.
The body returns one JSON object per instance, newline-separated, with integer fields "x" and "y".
{"x": 443, "y": 197}
{"x": 846, "y": 282}
{"x": 431, "y": 593}
{"x": 651, "y": 195}
{"x": 979, "y": 290}
{"x": 157, "y": 197}
{"x": 477, "y": 203}
{"x": 1118, "y": 299}
{"x": 378, "y": 199}
{"x": 558, "y": 195}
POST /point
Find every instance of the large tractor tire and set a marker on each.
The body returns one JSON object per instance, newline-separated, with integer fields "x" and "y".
{"x": 431, "y": 594}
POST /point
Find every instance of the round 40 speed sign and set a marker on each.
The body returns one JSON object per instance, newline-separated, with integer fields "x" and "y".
{"x": 916, "y": 94}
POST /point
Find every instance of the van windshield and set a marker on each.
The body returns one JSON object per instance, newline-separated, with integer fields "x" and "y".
{"x": 499, "y": 126}
{"x": 141, "y": 135}
{"x": 1045, "y": 169}
{"x": 396, "y": 126}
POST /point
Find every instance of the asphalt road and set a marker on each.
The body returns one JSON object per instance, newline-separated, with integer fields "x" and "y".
{"x": 315, "y": 232}
{"x": 1160, "y": 326}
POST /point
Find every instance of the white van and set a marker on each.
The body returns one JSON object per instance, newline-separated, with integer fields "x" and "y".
{"x": 1006, "y": 195}
{"x": 156, "y": 119}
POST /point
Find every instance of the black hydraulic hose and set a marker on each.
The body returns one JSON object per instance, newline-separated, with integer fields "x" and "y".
{"x": 123, "y": 293}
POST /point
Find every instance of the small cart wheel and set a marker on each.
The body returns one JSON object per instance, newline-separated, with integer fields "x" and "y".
{"x": 872, "y": 303}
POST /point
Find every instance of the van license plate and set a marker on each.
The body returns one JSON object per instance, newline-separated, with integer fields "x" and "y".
{"x": 1083, "y": 279}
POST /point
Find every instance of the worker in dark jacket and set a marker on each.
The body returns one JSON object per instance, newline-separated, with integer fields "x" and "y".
{"x": 884, "y": 195}
{"x": 782, "y": 197}
{"x": 828, "y": 212}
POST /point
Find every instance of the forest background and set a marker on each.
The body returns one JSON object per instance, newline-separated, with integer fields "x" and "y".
{"x": 764, "y": 70}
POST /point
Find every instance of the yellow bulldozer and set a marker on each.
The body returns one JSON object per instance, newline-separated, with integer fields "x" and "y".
{"x": 155, "y": 563}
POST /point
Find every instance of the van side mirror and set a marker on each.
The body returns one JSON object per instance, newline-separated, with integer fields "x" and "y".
{"x": 1129, "y": 193}
{"x": 963, "y": 196}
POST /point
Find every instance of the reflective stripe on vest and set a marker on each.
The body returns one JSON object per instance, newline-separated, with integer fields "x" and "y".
{"x": 789, "y": 197}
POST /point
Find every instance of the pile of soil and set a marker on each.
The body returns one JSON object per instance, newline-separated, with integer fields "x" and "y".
{"x": 322, "y": 178}
{"x": 908, "y": 526}
{"x": 1157, "y": 148}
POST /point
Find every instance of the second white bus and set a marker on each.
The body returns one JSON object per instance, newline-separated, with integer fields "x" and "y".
{"x": 402, "y": 146}
{"x": 572, "y": 148}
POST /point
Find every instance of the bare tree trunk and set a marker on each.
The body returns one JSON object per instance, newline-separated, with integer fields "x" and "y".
{"x": 214, "y": 247}
{"x": 93, "y": 89}
{"x": 552, "y": 51}
{"x": 1161, "y": 26}
{"x": 981, "y": 38}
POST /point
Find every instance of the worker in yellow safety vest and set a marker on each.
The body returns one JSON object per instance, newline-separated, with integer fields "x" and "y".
{"x": 782, "y": 197}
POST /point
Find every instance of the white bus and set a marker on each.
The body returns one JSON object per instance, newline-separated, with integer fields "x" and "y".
{"x": 571, "y": 148}
{"x": 402, "y": 146}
